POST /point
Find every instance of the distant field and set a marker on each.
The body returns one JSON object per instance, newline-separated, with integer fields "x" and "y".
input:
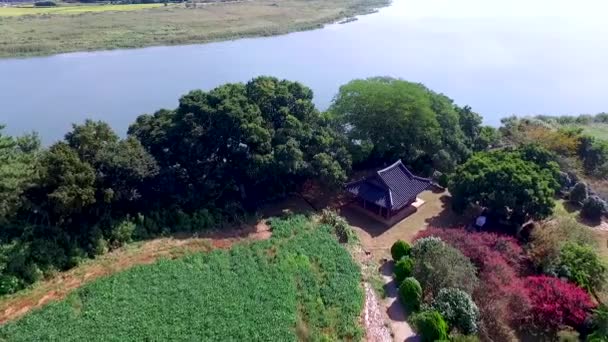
{"x": 19, "y": 11}
{"x": 597, "y": 130}
{"x": 299, "y": 285}
{"x": 113, "y": 27}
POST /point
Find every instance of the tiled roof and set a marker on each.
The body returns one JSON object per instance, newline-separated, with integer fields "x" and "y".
{"x": 393, "y": 187}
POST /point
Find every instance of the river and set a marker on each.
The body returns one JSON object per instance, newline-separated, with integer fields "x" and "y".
{"x": 500, "y": 57}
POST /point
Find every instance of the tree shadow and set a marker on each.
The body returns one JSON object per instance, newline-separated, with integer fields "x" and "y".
{"x": 571, "y": 207}
{"x": 447, "y": 218}
{"x": 413, "y": 339}
{"x": 390, "y": 289}
{"x": 386, "y": 268}
{"x": 396, "y": 312}
{"x": 589, "y": 222}
{"x": 357, "y": 219}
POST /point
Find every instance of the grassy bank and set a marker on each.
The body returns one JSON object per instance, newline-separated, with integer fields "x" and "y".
{"x": 67, "y": 10}
{"x": 299, "y": 285}
{"x": 56, "y": 32}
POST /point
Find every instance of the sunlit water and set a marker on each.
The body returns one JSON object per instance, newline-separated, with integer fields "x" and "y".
{"x": 500, "y": 57}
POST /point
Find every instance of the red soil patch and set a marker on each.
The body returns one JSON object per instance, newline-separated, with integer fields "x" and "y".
{"x": 58, "y": 287}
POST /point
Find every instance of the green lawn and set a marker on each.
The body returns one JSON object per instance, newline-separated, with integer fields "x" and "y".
{"x": 299, "y": 285}
{"x": 598, "y": 130}
{"x": 19, "y": 11}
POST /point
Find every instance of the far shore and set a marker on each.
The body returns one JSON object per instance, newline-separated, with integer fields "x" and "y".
{"x": 86, "y": 28}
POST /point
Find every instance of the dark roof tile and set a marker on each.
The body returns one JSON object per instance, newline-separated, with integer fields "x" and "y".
{"x": 393, "y": 187}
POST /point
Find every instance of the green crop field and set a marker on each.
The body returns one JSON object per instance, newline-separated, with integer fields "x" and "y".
{"x": 299, "y": 285}
{"x": 19, "y": 11}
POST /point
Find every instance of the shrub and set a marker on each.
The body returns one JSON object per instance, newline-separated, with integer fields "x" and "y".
{"x": 430, "y": 325}
{"x": 45, "y": 4}
{"x": 400, "y": 249}
{"x": 583, "y": 266}
{"x": 568, "y": 335}
{"x": 9, "y": 284}
{"x": 403, "y": 269}
{"x": 122, "y": 233}
{"x": 556, "y": 303}
{"x": 463, "y": 338}
{"x": 547, "y": 241}
{"x": 599, "y": 321}
{"x": 593, "y": 208}
{"x": 479, "y": 246}
{"x": 458, "y": 309}
{"x": 438, "y": 265}
{"x": 579, "y": 193}
{"x": 410, "y": 293}
{"x": 338, "y": 223}
{"x": 441, "y": 179}
{"x": 426, "y": 243}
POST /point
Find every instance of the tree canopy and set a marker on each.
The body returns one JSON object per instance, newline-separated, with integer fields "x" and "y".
{"x": 243, "y": 141}
{"x": 506, "y": 184}
{"x": 386, "y": 119}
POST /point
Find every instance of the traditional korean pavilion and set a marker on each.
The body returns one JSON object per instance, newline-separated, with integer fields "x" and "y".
{"x": 390, "y": 191}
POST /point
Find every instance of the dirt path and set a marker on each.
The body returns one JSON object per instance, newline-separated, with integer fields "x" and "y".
{"x": 58, "y": 287}
{"x": 376, "y": 239}
{"x": 373, "y": 319}
{"x": 402, "y": 331}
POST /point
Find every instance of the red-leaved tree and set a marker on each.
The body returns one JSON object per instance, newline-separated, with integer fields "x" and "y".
{"x": 501, "y": 296}
{"x": 556, "y": 303}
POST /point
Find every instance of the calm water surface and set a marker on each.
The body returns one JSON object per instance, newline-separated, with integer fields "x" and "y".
{"x": 500, "y": 57}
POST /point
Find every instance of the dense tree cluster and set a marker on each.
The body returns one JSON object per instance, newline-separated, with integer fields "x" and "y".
{"x": 217, "y": 156}
{"x": 240, "y": 143}
{"x": 511, "y": 185}
{"x": 386, "y": 119}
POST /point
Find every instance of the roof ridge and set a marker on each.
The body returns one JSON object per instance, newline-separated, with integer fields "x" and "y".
{"x": 391, "y": 166}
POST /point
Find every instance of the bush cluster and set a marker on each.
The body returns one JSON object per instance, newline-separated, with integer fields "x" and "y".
{"x": 458, "y": 309}
{"x": 410, "y": 293}
{"x": 438, "y": 265}
{"x": 556, "y": 303}
{"x": 400, "y": 249}
{"x": 341, "y": 228}
{"x": 403, "y": 269}
{"x": 45, "y": 4}
{"x": 430, "y": 325}
{"x": 594, "y": 208}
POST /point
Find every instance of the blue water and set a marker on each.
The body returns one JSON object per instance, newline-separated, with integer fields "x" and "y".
{"x": 500, "y": 57}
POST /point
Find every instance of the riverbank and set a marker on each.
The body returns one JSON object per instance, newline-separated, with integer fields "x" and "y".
{"x": 47, "y": 34}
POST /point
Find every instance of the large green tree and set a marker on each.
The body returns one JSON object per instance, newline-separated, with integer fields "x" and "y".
{"x": 506, "y": 184}
{"x": 242, "y": 142}
{"x": 385, "y": 119}
{"x": 121, "y": 165}
{"x": 18, "y": 157}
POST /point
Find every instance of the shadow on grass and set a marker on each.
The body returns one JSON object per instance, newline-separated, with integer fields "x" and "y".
{"x": 571, "y": 207}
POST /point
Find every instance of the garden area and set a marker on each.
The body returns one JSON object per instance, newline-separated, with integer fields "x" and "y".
{"x": 465, "y": 285}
